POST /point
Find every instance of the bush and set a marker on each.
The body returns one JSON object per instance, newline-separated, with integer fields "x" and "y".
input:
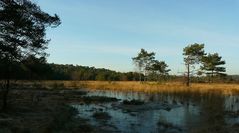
{"x": 133, "y": 102}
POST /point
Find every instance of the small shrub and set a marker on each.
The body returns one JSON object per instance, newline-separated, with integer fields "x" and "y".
{"x": 133, "y": 102}
{"x": 58, "y": 86}
{"x": 92, "y": 99}
{"x": 101, "y": 115}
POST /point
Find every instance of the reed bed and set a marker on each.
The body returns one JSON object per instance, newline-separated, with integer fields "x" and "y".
{"x": 168, "y": 87}
{"x": 149, "y": 87}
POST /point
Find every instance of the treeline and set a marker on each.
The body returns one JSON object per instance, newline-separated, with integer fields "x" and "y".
{"x": 149, "y": 69}
{"x": 71, "y": 72}
{"x": 33, "y": 68}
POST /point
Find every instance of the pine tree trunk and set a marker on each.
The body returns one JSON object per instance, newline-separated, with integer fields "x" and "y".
{"x": 212, "y": 76}
{"x": 144, "y": 75}
{"x": 140, "y": 74}
{"x": 5, "y": 95}
{"x": 6, "y": 87}
{"x": 188, "y": 75}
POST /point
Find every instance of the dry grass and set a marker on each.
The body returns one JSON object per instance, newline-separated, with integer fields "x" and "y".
{"x": 167, "y": 87}
{"x": 170, "y": 87}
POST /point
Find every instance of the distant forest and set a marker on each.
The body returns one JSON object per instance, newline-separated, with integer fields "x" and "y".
{"x": 38, "y": 69}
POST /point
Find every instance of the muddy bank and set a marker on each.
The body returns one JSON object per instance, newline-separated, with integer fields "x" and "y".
{"x": 44, "y": 111}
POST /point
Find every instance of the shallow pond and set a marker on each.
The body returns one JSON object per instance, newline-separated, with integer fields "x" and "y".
{"x": 163, "y": 113}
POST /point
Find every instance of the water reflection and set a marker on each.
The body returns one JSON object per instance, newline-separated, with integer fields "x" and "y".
{"x": 197, "y": 112}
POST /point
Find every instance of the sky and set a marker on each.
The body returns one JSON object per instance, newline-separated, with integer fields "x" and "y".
{"x": 108, "y": 33}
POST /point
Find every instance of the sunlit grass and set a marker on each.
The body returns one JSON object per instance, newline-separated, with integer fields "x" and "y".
{"x": 162, "y": 87}
{"x": 167, "y": 87}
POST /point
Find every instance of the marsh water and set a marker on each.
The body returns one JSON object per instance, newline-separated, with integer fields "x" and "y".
{"x": 162, "y": 112}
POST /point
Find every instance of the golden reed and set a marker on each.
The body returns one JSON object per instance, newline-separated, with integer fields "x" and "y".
{"x": 167, "y": 87}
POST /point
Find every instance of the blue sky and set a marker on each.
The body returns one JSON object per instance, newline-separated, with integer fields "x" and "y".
{"x": 108, "y": 33}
